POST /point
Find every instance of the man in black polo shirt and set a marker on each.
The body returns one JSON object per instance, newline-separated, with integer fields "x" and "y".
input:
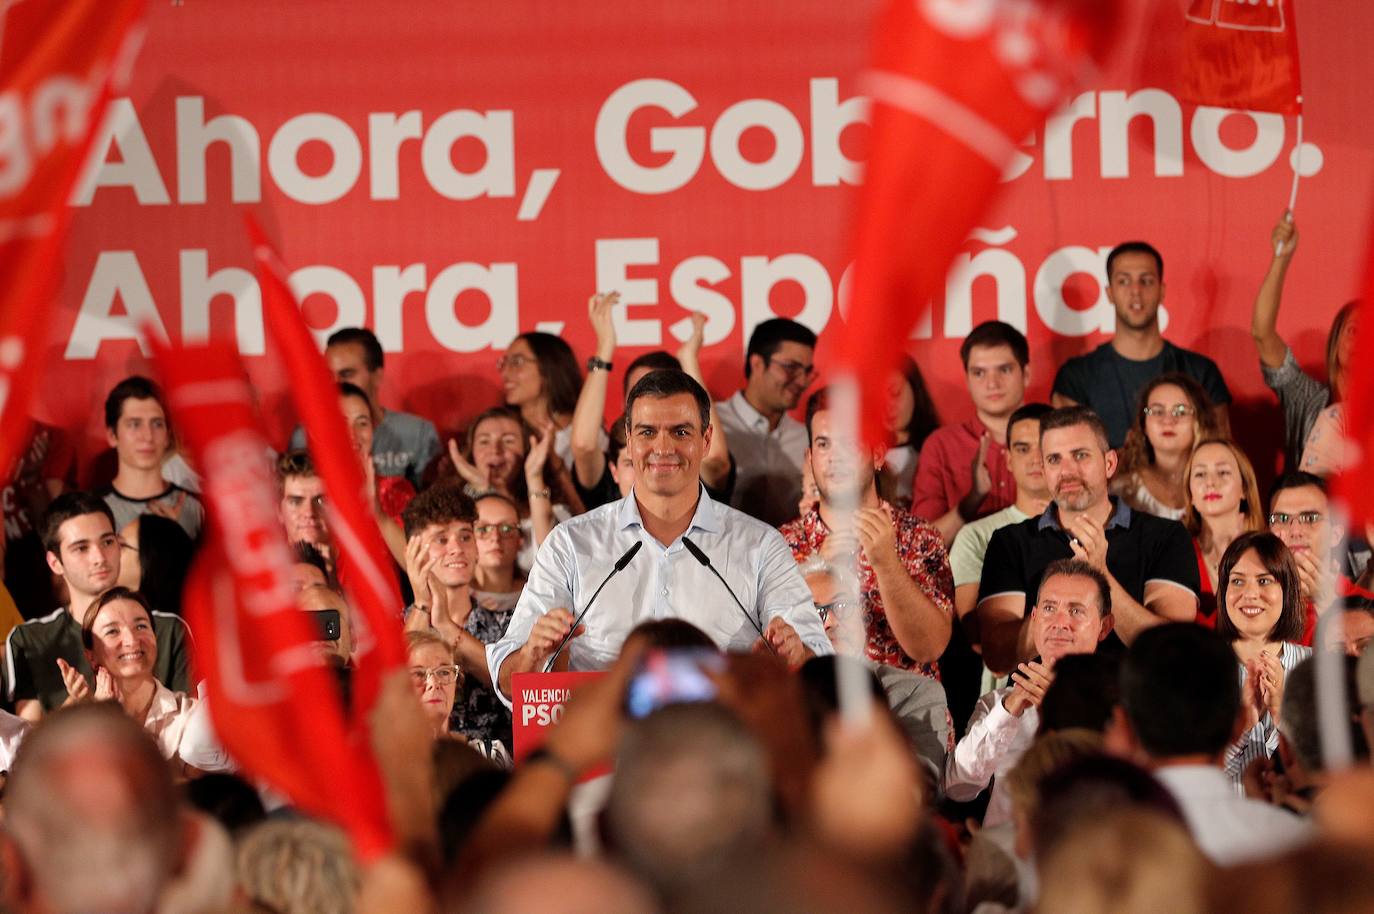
{"x": 44, "y": 659}
{"x": 1148, "y": 561}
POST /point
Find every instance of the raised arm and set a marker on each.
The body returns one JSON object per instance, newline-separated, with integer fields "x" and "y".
{"x": 589, "y": 417}
{"x": 715, "y": 465}
{"x": 1265, "y": 319}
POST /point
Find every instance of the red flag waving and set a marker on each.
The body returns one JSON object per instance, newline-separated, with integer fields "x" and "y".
{"x": 274, "y": 704}
{"x": 365, "y": 563}
{"x": 955, "y": 85}
{"x": 59, "y": 63}
{"x": 1356, "y": 483}
{"x": 1241, "y": 54}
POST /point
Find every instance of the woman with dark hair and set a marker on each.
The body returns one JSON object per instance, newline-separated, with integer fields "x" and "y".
{"x": 1172, "y": 414}
{"x": 154, "y": 557}
{"x": 1313, "y": 412}
{"x": 541, "y": 379}
{"x": 388, "y": 494}
{"x": 504, "y": 456}
{"x": 1223, "y": 503}
{"x": 1262, "y": 613}
{"x": 912, "y": 417}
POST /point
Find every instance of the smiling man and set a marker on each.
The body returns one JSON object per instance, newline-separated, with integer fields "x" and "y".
{"x": 1147, "y": 561}
{"x": 1072, "y": 615}
{"x": 45, "y": 662}
{"x": 1108, "y": 378}
{"x": 768, "y": 445}
{"x": 668, "y": 431}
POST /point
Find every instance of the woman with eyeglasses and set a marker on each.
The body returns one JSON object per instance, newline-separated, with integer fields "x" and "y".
{"x": 540, "y": 378}
{"x": 497, "y": 582}
{"x": 437, "y": 681}
{"x": 1223, "y": 503}
{"x": 1313, "y": 412}
{"x": 1172, "y": 413}
{"x": 1262, "y": 612}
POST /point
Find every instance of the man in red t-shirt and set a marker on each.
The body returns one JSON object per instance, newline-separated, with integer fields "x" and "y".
{"x": 962, "y": 472}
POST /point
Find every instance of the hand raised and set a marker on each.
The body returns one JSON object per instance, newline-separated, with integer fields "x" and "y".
{"x": 466, "y": 471}
{"x": 599, "y": 310}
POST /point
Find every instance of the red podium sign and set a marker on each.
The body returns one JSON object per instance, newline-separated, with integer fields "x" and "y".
{"x": 537, "y": 705}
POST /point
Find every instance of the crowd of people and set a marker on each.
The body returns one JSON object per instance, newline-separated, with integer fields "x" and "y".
{"x": 1059, "y": 657}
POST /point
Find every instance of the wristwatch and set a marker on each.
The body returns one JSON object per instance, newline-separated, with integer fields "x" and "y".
{"x": 595, "y": 363}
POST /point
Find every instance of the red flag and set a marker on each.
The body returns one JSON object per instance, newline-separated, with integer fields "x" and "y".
{"x": 59, "y": 63}
{"x": 1241, "y": 55}
{"x": 1356, "y": 483}
{"x": 274, "y": 703}
{"x": 365, "y": 564}
{"x": 955, "y": 86}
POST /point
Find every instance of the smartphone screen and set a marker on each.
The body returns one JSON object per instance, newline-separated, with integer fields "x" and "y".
{"x": 675, "y": 676}
{"x": 327, "y": 623}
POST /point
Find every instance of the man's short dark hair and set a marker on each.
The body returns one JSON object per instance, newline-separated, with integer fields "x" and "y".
{"x": 1069, "y": 416}
{"x": 1299, "y": 722}
{"x": 1077, "y": 568}
{"x": 815, "y": 403}
{"x": 1085, "y": 689}
{"x": 66, "y": 506}
{"x": 135, "y": 387}
{"x": 1026, "y": 413}
{"x": 349, "y": 389}
{"x": 668, "y": 383}
{"x": 361, "y": 336}
{"x": 996, "y": 333}
{"x": 442, "y": 503}
{"x": 1181, "y": 691}
{"x": 657, "y": 360}
{"x": 309, "y": 554}
{"x": 294, "y": 463}
{"x": 771, "y": 334}
{"x": 1296, "y": 479}
{"x": 1135, "y": 247}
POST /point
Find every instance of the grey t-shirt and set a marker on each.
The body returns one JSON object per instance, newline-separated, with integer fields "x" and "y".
{"x": 191, "y": 516}
{"x": 1109, "y": 382}
{"x": 402, "y": 445}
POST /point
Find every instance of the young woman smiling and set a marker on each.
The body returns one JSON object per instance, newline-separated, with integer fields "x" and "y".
{"x": 1223, "y": 503}
{"x": 1262, "y": 614}
{"x": 1172, "y": 414}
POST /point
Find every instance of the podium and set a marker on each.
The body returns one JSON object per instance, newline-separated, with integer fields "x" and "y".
{"x": 537, "y": 701}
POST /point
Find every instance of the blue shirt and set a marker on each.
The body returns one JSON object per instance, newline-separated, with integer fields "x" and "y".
{"x": 662, "y": 582}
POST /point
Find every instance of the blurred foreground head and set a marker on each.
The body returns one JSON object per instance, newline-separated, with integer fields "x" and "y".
{"x": 559, "y": 884}
{"x": 692, "y": 791}
{"x": 92, "y": 819}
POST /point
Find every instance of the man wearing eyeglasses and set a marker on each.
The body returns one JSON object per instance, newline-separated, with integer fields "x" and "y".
{"x": 905, "y": 587}
{"x": 1108, "y": 378}
{"x": 1300, "y": 515}
{"x": 768, "y": 445}
{"x": 441, "y": 561}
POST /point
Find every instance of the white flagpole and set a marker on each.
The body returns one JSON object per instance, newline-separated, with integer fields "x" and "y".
{"x": 1297, "y": 174}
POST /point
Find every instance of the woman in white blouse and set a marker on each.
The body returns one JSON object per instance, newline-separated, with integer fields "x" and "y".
{"x": 121, "y": 647}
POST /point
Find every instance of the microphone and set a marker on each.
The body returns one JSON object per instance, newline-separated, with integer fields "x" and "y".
{"x": 620, "y": 564}
{"x": 706, "y": 562}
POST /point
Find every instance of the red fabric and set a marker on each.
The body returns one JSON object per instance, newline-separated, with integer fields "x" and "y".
{"x": 1241, "y": 55}
{"x": 944, "y": 472}
{"x": 365, "y": 564}
{"x": 1206, "y": 597}
{"x": 1356, "y": 484}
{"x": 955, "y": 86}
{"x": 88, "y": 45}
{"x": 274, "y": 703}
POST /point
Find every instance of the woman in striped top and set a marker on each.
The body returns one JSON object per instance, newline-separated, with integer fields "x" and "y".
{"x": 1263, "y": 614}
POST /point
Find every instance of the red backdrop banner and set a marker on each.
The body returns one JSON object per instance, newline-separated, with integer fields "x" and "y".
{"x": 451, "y": 176}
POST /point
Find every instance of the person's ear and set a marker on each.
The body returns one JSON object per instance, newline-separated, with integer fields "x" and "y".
{"x": 1118, "y": 736}
{"x": 1108, "y": 623}
{"x": 110, "y": 438}
{"x": 1111, "y": 462}
{"x": 706, "y": 434}
{"x": 757, "y": 365}
{"x": 54, "y": 563}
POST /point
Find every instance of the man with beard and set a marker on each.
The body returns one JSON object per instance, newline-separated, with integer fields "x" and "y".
{"x": 768, "y": 445}
{"x": 906, "y": 592}
{"x": 1148, "y": 561}
{"x": 1108, "y": 378}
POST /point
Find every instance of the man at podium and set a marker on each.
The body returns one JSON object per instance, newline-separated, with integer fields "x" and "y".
{"x": 665, "y": 550}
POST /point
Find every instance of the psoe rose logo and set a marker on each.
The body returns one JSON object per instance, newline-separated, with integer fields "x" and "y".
{"x": 1242, "y": 15}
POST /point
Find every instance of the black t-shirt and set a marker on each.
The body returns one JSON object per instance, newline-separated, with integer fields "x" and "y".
{"x": 1109, "y": 382}
{"x": 1140, "y": 548}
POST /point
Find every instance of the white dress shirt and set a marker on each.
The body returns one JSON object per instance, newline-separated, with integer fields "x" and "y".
{"x": 1230, "y": 829}
{"x": 661, "y": 582}
{"x": 768, "y": 462}
{"x": 992, "y": 745}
